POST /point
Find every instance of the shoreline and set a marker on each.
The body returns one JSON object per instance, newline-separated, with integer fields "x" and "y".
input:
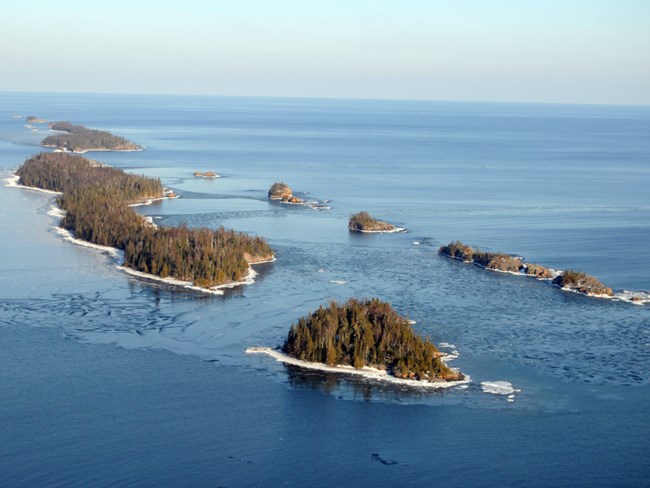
{"x": 150, "y": 201}
{"x": 366, "y": 371}
{"x": 394, "y": 230}
{"x": 118, "y": 254}
{"x": 13, "y": 180}
{"x": 84, "y": 151}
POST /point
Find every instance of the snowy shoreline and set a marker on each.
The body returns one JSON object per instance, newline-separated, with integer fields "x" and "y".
{"x": 12, "y": 182}
{"x": 366, "y": 371}
{"x": 84, "y": 151}
{"x": 394, "y": 230}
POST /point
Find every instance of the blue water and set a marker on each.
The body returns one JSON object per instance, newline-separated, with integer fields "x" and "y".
{"x": 178, "y": 402}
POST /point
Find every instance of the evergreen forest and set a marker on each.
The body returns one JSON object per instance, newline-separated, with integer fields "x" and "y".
{"x": 78, "y": 138}
{"x": 96, "y": 200}
{"x": 366, "y": 333}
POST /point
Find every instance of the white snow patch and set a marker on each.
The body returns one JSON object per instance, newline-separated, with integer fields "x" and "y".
{"x": 366, "y": 372}
{"x": 12, "y": 182}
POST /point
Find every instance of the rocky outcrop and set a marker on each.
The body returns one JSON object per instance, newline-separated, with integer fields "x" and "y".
{"x": 33, "y": 119}
{"x": 498, "y": 262}
{"x": 582, "y": 283}
{"x": 281, "y": 191}
{"x": 207, "y": 174}
{"x": 363, "y": 222}
{"x": 458, "y": 250}
{"x": 539, "y": 271}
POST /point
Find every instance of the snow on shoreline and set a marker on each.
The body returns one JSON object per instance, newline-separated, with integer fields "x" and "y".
{"x": 69, "y": 236}
{"x": 366, "y": 371}
{"x": 150, "y": 201}
{"x": 12, "y": 182}
{"x": 394, "y": 230}
{"x": 84, "y": 151}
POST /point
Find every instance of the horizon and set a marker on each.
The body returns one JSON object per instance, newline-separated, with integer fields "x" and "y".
{"x": 586, "y": 52}
{"x": 324, "y": 98}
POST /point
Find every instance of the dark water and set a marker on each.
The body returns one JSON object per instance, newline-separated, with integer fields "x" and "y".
{"x": 180, "y": 403}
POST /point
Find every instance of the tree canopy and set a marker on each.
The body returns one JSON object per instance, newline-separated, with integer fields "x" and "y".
{"x": 96, "y": 198}
{"x": 366, "y": 333}
{"x": 362, "y": 221}
{"x": 78, "y": 138}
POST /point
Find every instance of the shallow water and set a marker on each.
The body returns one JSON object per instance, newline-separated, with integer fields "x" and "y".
{"x": 562, "y": 186}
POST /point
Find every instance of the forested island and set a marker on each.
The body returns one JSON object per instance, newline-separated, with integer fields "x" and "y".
{"x": 369, "y": 333}
{"x": 363, "y": 222}
{"x": 567, "y": 279}
{"x": 96, "y": 200}
{"x": 79, "y": 139}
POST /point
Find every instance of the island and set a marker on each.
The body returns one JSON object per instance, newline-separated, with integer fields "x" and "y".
{"x": 582, "y": 283}
{"x": 207, "y": 175}
{"x": 488, "y": 260}
{"x": 363, "y": 222}
{"x": 567, "y": 280}
{"x": 97, "y": 199}
{"x": 281, "y": 191}
{"x": 367, "y": 334}
{"x": 79, "y": 139}
{"x": 33, "y": 119}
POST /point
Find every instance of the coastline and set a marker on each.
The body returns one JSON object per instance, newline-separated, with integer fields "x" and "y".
{"x": 84, "y": 151}
{"x": 394, "y": 230}
{"x": 12, "y": 182}
{"x": 150, "y": 201}
{"x": 366, "y": 371}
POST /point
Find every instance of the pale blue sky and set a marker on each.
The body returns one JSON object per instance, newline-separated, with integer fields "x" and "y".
{"x": 584, "y": 51}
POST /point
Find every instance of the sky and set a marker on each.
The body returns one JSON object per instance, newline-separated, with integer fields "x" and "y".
{"x": 547, "y": 51}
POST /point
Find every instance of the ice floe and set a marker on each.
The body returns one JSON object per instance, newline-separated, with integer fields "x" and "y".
{"x": 500, "y": 387}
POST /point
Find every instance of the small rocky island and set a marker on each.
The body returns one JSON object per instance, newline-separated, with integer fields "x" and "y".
{"x": 363, "y": 222}
{"x": 567, "y": 280}
{"x": 582, "y": 283}
{"x": 367, "y": 333}
{"x": 281, "y": 191}
{"x": 209, "y": 175}
{"x": 33, "y": 119}
{"x": 80, "y": 139}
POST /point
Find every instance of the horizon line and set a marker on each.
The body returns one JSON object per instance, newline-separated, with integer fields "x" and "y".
{"x": 340, "y": 98}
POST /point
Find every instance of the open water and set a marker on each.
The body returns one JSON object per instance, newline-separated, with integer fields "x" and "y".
{"x": 111, "y": 380}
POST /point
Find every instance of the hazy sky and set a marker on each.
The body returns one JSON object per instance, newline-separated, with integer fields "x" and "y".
{"x": 587, "y": 51}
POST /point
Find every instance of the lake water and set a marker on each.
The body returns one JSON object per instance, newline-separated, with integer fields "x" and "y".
{"x": 111, "y": 380}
